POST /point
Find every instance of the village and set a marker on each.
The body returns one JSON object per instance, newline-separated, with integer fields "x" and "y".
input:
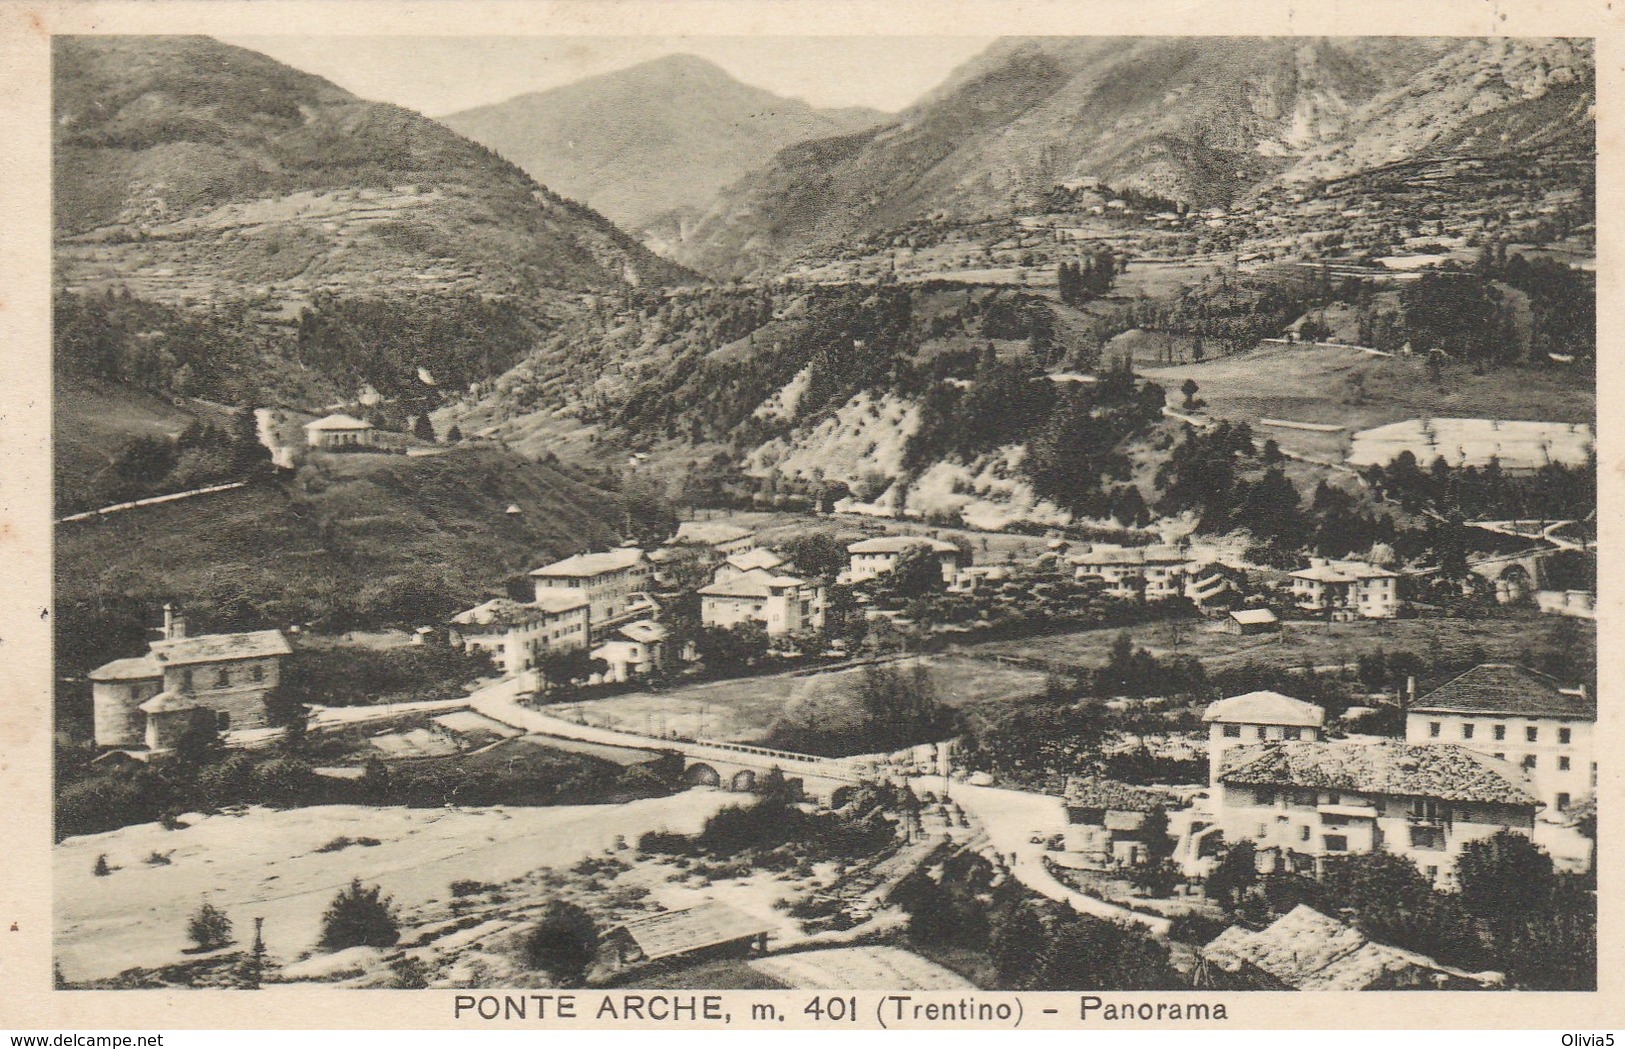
{"x": 685, "y": 661}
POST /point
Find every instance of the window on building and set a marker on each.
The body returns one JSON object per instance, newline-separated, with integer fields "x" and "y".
{"x": 257, "y": 672}
{"x": 1467, "y": 731}
{"x": 186, "y": 678}
{"x": 1531, "y": 733}
{"x": 1303, "y": 832}
{"x": 1433, "y": 729}
{"x": 1563, "y": 802}
{"x": 1564, "y": 735}
{"x": 1500, "y": 732}
{"x": 1528, "y": 761}
{"x": 1292, "y": 733}
{"x": 1261, "y": 732}
{"x": 222, "y": 678}
{"x": 1563, "y": 763}
{"x": 1232, "y": 731}
{"x": 1337, "y": 843}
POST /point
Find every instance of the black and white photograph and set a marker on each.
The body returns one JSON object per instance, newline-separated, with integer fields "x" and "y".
{"x": 939, "y": 514}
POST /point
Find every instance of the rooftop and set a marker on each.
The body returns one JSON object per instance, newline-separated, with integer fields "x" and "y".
{"x": 758, "y": 582}
{"x": 1389, "y": 767}
{"x": 135, "y": 668}
{"x": 645, "y": 630}
{"x": 339, "y": 421}
{"x": 585, "y": 566}
{"x": 505, "y": 612}
{"x": 1132, "y": 555}
{"x": 1307, "y": 951}
{"x": 672, "y": 933}
{"x": 760, "y": 557}
{"x": 1253, "y": 616}
{"x": 1265, "y": 708}
{"x": 167, "y": 702}
{"x": 214, "y": 648}
{"x": 1096, "y": 793}
{"x": 1342, "y": 572}
{"x": 896, "y": 544}
{"x": 709, "y": 533}
{"x": 1505, "y": 688}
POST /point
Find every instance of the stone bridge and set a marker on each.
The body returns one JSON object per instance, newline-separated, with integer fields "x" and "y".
{"x": 1516, "y": 575}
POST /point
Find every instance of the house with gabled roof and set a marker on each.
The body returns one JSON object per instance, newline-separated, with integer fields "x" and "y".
{"x": 719, "y": 537}
{"x": 783, "y": 604}
{"x": 1347, "y": 589}
{"x": 1301, "y": 802}
{"x": 339, "y": 431}
{"x": 614, "y": 582}
{"x": 1521, "y": 715}
{"x": 151, "y": 700}
{"x": 709, "y": 930}
{"x": 1257, "y": 717}
{"x": 516, "y": 634}
{"x": 738, "y": 564}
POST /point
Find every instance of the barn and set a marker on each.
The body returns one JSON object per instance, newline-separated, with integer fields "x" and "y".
{"x": 710, "y": 930}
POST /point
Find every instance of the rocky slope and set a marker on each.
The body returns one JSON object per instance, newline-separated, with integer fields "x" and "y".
{"x": 1198, "y": 121}
{"x": 649, "y": 145}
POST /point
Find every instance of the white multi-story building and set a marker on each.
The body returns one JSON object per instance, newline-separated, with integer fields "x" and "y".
{"x": 636, "y": 649}
{"x": 738, "y": 564}
{"x": 719, "y": 537}
{"x": 516, "y": 635}
{"x": 1523, "y": 716}
{"x": 782, "y": 604}
{"x": 1311, "y": 800}
{"x": 1257, "y": 717}
{"x": 1353, "y": 588}
{"x": 614, "y": 582}
{"x": 878, "y": 556}
{"x": 1155, "y": 573}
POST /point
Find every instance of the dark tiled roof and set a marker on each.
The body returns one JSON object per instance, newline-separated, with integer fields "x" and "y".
{"x": 1504, "y": 688}
{"x": 1095, "y": 793}
{"x": 213, "y": 648}
{"x": 1443, "y": 771}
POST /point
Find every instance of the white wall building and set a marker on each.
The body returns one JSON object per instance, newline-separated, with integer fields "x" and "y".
{"x": 870, "y": 558}
{"x": 1336, "y": 798}
{"x": 516, "y": 635}
{"x": 1154, "y": 573}
{"x": 1354, "y": 588}
{"x": 1522, "y": 716}
{"x": 782, "y": 604}
{"x": 614, "y": 582}
{"x": 1257, "y": 717}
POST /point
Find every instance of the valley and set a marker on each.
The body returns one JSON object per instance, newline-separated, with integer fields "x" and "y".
{"x": 838, "y": 542}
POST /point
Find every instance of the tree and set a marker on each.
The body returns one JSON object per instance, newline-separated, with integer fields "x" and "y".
{"x": 209, "y": 928}
{"x": 422, "y": 428}
{"x": 199, "y": 742}
{"x": 1236, "y": 873}
{"x": 1087, "y": 954}
{"x": 454, "y": 435}
{"x": 1504, "y": 876}
{"x": 732, "y": 647}
{"x": 1188, "y": 388}
{"x": 563, "y": 943}
{"x": 100, "y": 868}
{"x": 918, "y": 571}
{"x": 359, "y": 916}
{"x": 819, "y": 554}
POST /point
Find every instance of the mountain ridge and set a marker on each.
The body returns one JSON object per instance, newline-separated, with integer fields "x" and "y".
{"x": 683, "y": 129}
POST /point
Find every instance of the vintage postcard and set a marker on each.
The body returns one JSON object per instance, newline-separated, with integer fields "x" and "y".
{"x": 707, "y": 515}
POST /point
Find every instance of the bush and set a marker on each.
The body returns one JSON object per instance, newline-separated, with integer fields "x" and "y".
{"x": 563, "y": 943}
{"x": 469, "y": 887}
{"x": 410, "y": 973}
{"x": 101, "y": 869}
{"x": 360, "y": 916}
{"x": 209, "y": 928}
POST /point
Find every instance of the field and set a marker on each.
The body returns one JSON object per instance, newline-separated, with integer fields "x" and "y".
{"x": 1341, "y": 386}
{"x": 266, "y": 864}
{"x": 379, "y": 538}
{"x": 1313, "y": 644}
{"x": 746, "y": 709}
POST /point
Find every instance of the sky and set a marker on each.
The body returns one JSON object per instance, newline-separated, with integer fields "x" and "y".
{"x": 441, "y": 75}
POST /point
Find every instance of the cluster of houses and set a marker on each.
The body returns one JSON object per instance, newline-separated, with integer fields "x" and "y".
{"x": 1339, "y": 589}
{"x": 1499, "y": 748}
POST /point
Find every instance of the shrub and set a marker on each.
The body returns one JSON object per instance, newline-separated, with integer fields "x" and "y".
{"x": 101, "y": 869}
{"x": 470, "y": 887}
{"x": 410, "y": 973}
{"x": 563, "y": 943}
{"x": 209, "y": 928}
{"x": 158, "y": 859}
{"x": 360, "y": 916}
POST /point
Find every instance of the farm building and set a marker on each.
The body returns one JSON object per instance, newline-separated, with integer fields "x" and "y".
{"x": 1517, "y": 446}
{"x": 710, "y": 930}
{"x": 1304, "y": 950}
{"x": 1251, "y": 621}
